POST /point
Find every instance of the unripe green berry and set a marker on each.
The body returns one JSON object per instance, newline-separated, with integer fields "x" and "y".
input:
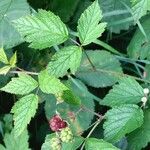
{"x": 144, "y": 99}
{"x": 66, "y": 135}
{"x": 55, "y": 144}
{"x": 146, "y": 91}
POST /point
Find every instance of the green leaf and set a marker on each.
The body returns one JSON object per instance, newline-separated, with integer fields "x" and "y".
{"x": 79, "y": 120}
{"x": 106, "y": 72}
{"x": 116, "y": 15}
{"x": 122, "y": 120}
{"x": 42, "y": 30}
{"x": 77, "y": 141}
{"x": 24, "y": 110}
{"x": 70, "y": 98}
{"x": 13, "y": 60}
{"x": 22, "y": 85}
{"x": 2, "y": 147}
{"x": 50, "y": 104}
{"x": 4, "y": 70}
{"x": 46, "y": 144}
{"x": 66, "y": 58}
{"x": 72, "y": 113}
{"x": 49, "y": 84}
{"x": 16, "y": 143}
{"x": 128, "y": 91}
{"x": 75, "y": 144}
{"x": 139, "y": 8}
{"x": 139, "y": 46}
{"x": 89, "y": 28}
{"x": 11, "y": 10}
{"x": 3, "y": 57}
{"x": 139, "y": 138}
{"x": 96, "y": 144}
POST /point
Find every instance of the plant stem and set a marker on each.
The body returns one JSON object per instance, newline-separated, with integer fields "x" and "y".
{"x": 94, "y": 127}
{"x": 115, "y": 73}
{"x": 108, "y": 47}
{"x": 87, "y": 109}
{"x": 75, "y": 42}
{"x": 89, "y": 60}
{"x": 56, "y": 48}
{"x": 27, "y": 72}
{"x": 123, "y": 75}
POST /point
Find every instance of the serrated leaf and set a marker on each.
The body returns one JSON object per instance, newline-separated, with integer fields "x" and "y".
{"x": 69, "y": 97}
{"x": 139, "y": 138}
{"x": 79, "y": 120}
{"x": 3, "y": 57}
{"x": 49, "y": 84}
{"x": 22, "y": 85}
{"x": 13, "y": 60}
{"x": 106, "y": 72}
{"x": 42, "y": 30}
{"x": 4, "y": 70}
{"x": 96, "y": 144}
{"x": 66, "y": 58}
{"x": 139, "y": 46}
{"x": 116, "y": 15}
{"x": 128, "y": 91}
{"x": 89, "y": 28}
{"x": 16, "y": 143}
{"x": 23, "y": 111}
{"x": 122, "y": 120}
{"x": 2, "y": 147}
{"x": 77, "y": 141}
{"x": 11, "y": 10}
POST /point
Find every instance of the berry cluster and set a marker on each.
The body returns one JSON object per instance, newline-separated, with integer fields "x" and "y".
{"x": 56, "y": 123}
{"x": 55, "y": 144}
{"x": 64, "y": 133}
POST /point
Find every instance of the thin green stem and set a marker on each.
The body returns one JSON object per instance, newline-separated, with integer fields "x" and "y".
{"x": 89, "y": 60}
{"x": 108, "y": 47}
{"x": 56, "y": 48}
{"x": 27, "y": 72}
{"x": 89, "y": 110}
{"x": 92, "y": 130}
{"x": 75, "y": 42}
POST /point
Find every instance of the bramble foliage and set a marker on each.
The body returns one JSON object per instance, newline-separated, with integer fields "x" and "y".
{"x": 70, "y": 89}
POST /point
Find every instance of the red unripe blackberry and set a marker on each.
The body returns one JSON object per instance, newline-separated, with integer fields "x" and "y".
{"x": 56, "y": 123}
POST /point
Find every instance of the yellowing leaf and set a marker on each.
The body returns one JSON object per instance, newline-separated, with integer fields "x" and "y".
{"x": 3, "y": 57}
{"x": 13, "y": 60}
{"x": 4, "y": 70}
